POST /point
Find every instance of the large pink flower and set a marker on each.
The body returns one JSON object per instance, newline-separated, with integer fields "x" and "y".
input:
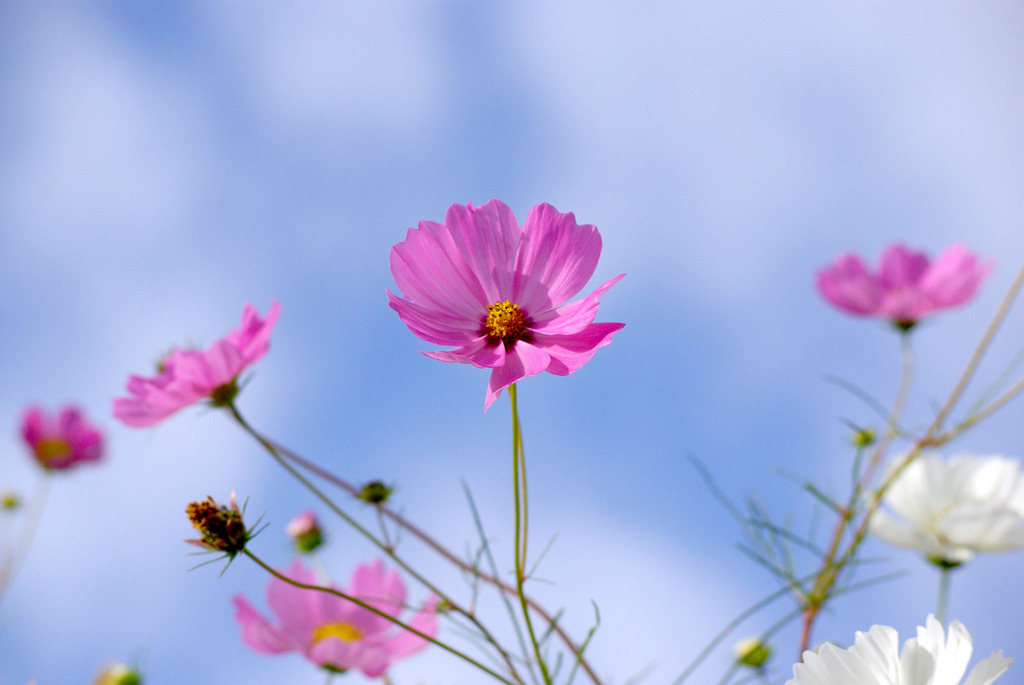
{"x": 61, "y": 441}
{"x": 334, "y": 632}
{"x": 187, "y": 376}
{"x": 498, "y": 292}
{"x": 906, "y": 287}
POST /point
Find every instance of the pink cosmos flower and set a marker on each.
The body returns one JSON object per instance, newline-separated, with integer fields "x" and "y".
{"x": 906, "y": 287}
{"x": 61, "y": 441}
{"x": 498, "y": 292}
{"x": 187, "y": 376}
{"x": 333, "y": 632}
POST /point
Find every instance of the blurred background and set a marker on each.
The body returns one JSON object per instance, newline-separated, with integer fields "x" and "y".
{"x": 162, "y": 164}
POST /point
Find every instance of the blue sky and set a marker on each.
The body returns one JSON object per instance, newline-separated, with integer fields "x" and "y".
{"x": 163, "y": 164}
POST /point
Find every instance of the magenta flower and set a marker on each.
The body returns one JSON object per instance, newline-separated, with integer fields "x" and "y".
{"x": 333, "y": 632}
{"x": 60, "y": 442}
{"x": 187, "y": 376}
{"x": 498, "y": 292}
{"x": 906, "y": 286}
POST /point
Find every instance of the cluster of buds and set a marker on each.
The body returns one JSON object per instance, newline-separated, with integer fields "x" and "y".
{"x": 221, "y": 527}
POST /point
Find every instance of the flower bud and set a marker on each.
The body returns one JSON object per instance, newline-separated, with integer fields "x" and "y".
{"x": 305, "y": 530}
{"x": 221, "y": 527}
{"x": 375, "y": 492}
{"x": 863, "y": 437}
{"x": 118, "y": 674}
{"x": 10, "y": 501}
{"x": 752, "y": 652}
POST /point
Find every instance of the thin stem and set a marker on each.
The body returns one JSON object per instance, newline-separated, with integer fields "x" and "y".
{"x": 270, "y": 447}
{"x": 426, "y": 539}
{"x": 733, "y": 624}
{"x": 27, "y": 534}
{"x": 519, "y": 484}
{"x": 982, "y": 413}
{"x": 369, "y": 607}
{"x": 931, "y": 438}
{"x": 829, "y": 570}
{"x": 943, "y": 605}
{"x": 979, "y": 352}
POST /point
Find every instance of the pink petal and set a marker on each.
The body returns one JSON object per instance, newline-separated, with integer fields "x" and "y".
{"x": 522, "y": 360}
{"x": 481, "y": 353}
{"x": 901, "y": 268}
{"x": 431, "y": 270}
{"x": 569, "y": 352}
{"x": 848, "y": 285}
{"x": 252, "y": 337}
{"x": 298, "y": 610}
{"x": 32, "y": 426}
{"x": 379, "y": 587}
{"x": 488, "y": 237}
{"x": 259, "y": 633}
{"x": 954, "y": 277}
{"x": 575, "y": 316}
{"x": 406, "y": 642}
{"x": 556, "y": 259}
{"x": 435, "y": 326}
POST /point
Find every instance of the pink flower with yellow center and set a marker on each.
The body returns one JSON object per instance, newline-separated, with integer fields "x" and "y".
{"x": 499, "y": 293}
{"x": 333, "y": 632}
{"x": 61, "y": 441}
{"x": 187, "y": 376}
{"x": 906, "y": 286}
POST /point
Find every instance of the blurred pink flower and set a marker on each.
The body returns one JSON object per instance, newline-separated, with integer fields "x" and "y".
{"x": 60, "y": 442}
{"x": 333, "y": 632}
{"x": 906, "y": 286}
{"x": 187, "y": 376}
{"x": 498, "y": 292}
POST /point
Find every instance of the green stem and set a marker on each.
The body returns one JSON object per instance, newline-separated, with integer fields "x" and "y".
{"x": 13, "y": 563}
{"x": 519, "y": 482}
{"x": 271, "y": 448}
{"x": 369, "y": 607}
{"x": 940, "y": 611}
{"x": 440, "y": 549}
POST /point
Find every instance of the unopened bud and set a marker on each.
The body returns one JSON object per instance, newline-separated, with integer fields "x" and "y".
{"x": 305, "y": 530}
{"x": 752, "y": 652}
{"x": 10, "y": 501}
{"x": 375, "y": 492}
{"x": 118, "y": 674}
{"x": 863, "y": 437}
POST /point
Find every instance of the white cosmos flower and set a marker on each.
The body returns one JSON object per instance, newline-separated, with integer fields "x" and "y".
{"x": 874, "y": 659}
{"x": 950, "y": 509}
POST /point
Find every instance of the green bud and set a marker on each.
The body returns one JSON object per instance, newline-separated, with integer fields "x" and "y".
{"x": 118, "y": 674}
{"x": 863, "y": 437}
{"x": 10, "y": 501}
{"x": 752, "y": 652}
{"x": 375, "y": 492}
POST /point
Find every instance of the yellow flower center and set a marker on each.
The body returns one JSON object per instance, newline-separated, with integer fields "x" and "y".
{"x": 505, "y": 321}
{"x": 48, "y": 450}
{"x": 344, "y": 631}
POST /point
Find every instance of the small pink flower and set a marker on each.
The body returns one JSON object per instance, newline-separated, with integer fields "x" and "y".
{"x": 906, "y": 286}
{"x": 60, "y": 442}
{"x": 333, "y": 632}
{"x": 187, "y": 376}
{"x": 498, "y": 292}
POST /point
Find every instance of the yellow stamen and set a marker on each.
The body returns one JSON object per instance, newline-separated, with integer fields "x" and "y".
{"x": 47, "y": 450}
{"x": 344, "y": 631}
{"x": 505, "y": 321}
